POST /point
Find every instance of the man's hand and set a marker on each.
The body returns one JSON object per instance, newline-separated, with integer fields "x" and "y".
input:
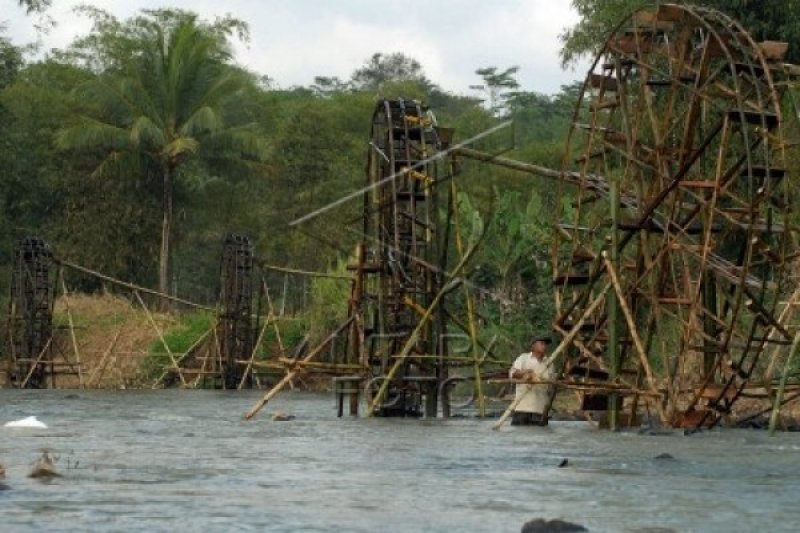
{"x": 524, "y": 374}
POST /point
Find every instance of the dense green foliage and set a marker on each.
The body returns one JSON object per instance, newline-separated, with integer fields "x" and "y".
{"x": 777, "y": 20}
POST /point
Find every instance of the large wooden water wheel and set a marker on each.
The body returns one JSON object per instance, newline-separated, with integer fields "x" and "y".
{"x": 670, "y": 252}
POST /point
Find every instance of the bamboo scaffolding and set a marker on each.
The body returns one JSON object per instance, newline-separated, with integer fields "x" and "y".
{"x": 131, "y": 286}
{"x": 632, "y": 329}
{"x": 787, "y": 314}
{"x": 182, "y": 356}
{"x": 72, "y": 330}
{"x": 253, "y": 355}
{"x": 160, "y": 336}
{"x": 473, "y": 331}
{"x": 773, "y": 419}
{"x": 412, "y": 339}
{"x": 205, "y": 359}
{"x": 36, "y": 363}
{"x": 288, "y": 377}
{"x": 101, "y": 366}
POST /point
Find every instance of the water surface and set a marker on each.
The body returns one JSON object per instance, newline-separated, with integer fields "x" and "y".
{"x": 186, "y": 461}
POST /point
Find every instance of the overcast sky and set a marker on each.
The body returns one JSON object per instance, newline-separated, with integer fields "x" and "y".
{"x": 294, "y": 40}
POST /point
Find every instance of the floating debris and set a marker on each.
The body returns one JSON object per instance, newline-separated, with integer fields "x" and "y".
{"x": 27, "y": 422}
{"x": 664, "y": 457}
{"x": 44, "y": 467}
{"x": 280, "y": 416}
{"x": 541, "y": 525}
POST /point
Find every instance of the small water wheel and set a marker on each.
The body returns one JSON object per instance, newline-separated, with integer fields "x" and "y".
{"x": 30, "y": 317}
{"x": 235, "y": 329}
{"x": 670, "y": 252}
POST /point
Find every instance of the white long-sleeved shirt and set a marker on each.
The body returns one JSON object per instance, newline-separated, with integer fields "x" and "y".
{"x": 534, "y": 397}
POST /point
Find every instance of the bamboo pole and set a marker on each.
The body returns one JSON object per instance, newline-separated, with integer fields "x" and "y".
{"x": 130, "y": 286}
{"x": 283, "y": 362}
{"x": 786, "y": 314}
{"x": 288, "y": 377}
{"x": 612, "y": 303}
{"x": 218, "y": 364}
{"x": 183, "y": 356}
{"x": 72, "y": 330}
{"x": 580, "y": 386}
{"x": 101, "y": 366}
{"x": 565, "y": 342}
{"x": 412, "y": 339}
{"x": 201, "y": 372}
{"x": 160, "y": 335}
{"x": 776, "y": 406}
{"x": 473, "y": 332}
{"x": 637, "y": 341}
{"x": 271, "y": 315}
{"x": 286, "y": 270}
{"x": 253, "y": 355}
{"x": 285, "y": 293}
{"x": 36, "y": 363}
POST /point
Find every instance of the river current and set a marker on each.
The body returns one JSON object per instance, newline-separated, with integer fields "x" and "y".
{"x": 186, "y": 461}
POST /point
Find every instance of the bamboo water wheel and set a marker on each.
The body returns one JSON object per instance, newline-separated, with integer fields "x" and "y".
{"x": 30, "y": 318}
{"x": 236, "y": 328}
{"x": 670, "y": 254}
{"x": 403, "y": 323}
{"x": 398, "y": 272}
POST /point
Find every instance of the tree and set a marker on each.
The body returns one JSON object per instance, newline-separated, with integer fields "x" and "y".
{"x": 35, "y": 6}
{"x": 764, "y": 19}
{"x": 499, "y": 87}
{"x": 383, "y": 68}
{"x": 327, "y": 86}
{"x": 168, "y": 96}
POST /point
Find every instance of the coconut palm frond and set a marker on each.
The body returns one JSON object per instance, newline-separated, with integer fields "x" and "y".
{"x": 141, "y": 100}
{"x": 115, "y": 100}
{"x": 226, "y": 86}
{"x": 203, "y": 121}
{"x": 181, "y": 146}
{"x": 91, "y": 134}
{"x": 146, "y": 133}
{"x": 109, "y": 167}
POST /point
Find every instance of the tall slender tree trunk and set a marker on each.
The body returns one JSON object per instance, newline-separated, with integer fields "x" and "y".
{"x": 166, "y": 223}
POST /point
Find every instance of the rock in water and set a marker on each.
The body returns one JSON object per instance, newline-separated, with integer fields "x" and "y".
{"x": 44, "y": 467}
{"x": 3, "y": 486}
{"x": 27, "y": 422}
{"x": 280, "y": 416}
{"x": 540, "y": 525}
{"x": 664, "y": 457}
{"x": 564, "y": 462}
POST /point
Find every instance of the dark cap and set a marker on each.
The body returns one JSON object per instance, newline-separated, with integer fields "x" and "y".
{"x": 544, "y": 338}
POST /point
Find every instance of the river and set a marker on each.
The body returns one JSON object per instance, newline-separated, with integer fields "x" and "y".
{"x": 186, "y": 461}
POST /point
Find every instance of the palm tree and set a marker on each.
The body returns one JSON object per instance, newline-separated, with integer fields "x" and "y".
{"x": 176, "y": 99}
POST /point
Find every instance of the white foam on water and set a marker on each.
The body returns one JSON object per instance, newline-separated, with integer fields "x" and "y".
{"x": 27, "y": 422}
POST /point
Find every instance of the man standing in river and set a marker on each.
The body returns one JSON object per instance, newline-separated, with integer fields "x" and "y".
{"x": 531, "y": 400}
